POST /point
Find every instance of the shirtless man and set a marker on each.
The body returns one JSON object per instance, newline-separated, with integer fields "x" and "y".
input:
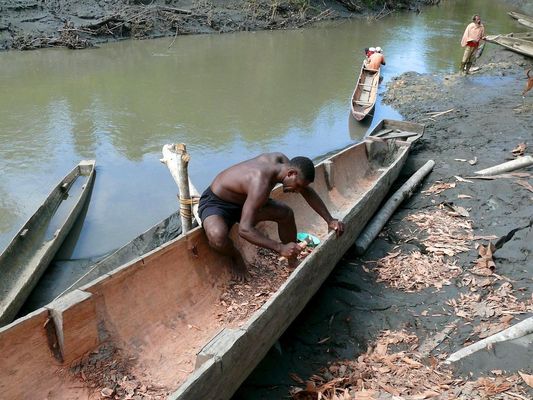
{"x": 241, "y": 194}
{"x": 375, "y": 61}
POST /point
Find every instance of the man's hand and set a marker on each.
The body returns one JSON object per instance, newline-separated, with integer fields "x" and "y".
{"x": 290, "y": 250}
{"x": 337, "y": 226}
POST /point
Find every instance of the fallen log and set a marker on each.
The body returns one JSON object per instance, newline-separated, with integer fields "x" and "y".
{"x": 521, "y": 329}
{"x": 378, "y": 222}
{"x": 521, "y": 162}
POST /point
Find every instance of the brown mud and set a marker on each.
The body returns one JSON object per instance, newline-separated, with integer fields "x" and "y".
{"x": 472, "y": 122}
{"x": 31, "y": 24}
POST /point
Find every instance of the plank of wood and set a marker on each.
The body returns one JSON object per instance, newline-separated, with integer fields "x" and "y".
{"x": 399, "y": 135}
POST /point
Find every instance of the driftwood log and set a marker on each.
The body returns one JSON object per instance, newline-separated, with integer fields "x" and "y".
{"x": 383, "y": 215}
{"x": 521, "y": 329}
{"x": 520, "y": 162}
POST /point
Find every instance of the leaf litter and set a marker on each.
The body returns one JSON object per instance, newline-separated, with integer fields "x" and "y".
{"x": 410, "y": 373}
{"x": 392, "y": 368}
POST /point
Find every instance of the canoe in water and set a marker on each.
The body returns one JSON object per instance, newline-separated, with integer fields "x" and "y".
{"x": 26, "y": 257}
{"x": 172, "y": 323}
{"x": 365, "y": 93}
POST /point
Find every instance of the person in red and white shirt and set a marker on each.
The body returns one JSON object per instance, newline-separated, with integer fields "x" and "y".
{"x": 473, "y": 35}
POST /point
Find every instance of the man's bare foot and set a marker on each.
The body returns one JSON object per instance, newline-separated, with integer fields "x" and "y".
{"x": 239, "y": 271}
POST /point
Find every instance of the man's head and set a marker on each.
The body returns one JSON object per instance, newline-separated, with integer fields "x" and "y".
{"x": 300, "y": 173}
{"x": 379, "y": 50}
{"x": 476, "y": 18}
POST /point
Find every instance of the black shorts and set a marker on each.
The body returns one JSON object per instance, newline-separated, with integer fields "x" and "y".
{"x": 211, "y": 204}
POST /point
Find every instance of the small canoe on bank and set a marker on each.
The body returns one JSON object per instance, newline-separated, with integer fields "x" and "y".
{"x": 524, "y": 19}
{"x": 171, "y": 323}
{"x": 524, "y": 47}
{"x": 365, "y": 93}
{"x": 26, "y": 257}
{"x": 401, "y": 130}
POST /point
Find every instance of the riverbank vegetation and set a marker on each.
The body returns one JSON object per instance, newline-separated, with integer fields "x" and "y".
{"x": 82, "y": 24}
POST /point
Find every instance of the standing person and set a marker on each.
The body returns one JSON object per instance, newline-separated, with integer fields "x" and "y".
{"x": 473, "y": 35}
{"x": 241, "y": 194}
{"x": 375, "y": 61}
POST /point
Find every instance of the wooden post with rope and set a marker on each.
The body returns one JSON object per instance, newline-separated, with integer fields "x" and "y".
{"x": 176, "y": 158}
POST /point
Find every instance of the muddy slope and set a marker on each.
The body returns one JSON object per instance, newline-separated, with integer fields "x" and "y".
{"x": 30, "y": 24}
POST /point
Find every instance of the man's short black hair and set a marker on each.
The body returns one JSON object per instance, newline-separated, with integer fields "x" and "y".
{"x": 306, "y": 167}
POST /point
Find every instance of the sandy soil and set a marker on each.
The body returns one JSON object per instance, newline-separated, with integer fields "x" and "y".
{"x": 30, "y": 24}
{"x": 487, "y": 120}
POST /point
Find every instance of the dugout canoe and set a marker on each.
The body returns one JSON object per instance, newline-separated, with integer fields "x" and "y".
{"x": 156, "y": 320}
{"x": 28, "y": 254}
{"x": 365, "y": 93}
{"x": 524, "y": 47}
{"x": 524, "y": 19}
{"x": 401, "y": 130}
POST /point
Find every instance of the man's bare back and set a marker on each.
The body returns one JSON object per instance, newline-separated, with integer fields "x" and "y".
{"x": 234, "y": 183}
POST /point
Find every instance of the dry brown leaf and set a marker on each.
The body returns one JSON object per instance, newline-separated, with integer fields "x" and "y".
{"x": 528, "y": 379}
{"x": 439, "y": 187}
{"x": 519, "y": 150}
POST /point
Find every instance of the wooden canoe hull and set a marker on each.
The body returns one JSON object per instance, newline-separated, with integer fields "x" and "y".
{"x": 365, "y": 93}
{"x": 524, "y": 47}
{"x": 161, "y": 308}
{"x": 524, "y": 19}
{"x": 26, "y": 257}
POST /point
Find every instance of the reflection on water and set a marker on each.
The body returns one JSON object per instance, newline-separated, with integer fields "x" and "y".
{"x": 228, "y": 97}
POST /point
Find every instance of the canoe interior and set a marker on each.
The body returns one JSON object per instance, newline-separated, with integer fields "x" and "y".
{"x": 389, "y": 128}
{"x": 521, "y": 35}
{"x": 26, "y": 257}
{"x": 365, "y": 93}
{"x": 153, "y": 315}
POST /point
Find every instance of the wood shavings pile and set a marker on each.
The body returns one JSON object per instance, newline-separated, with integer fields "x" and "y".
{"x": 267, "y": 274}
{"x": 444, "y": 234}
{"x": 415, "y": 271}
{"x": 109, "y": 373}
{"x": 497, "y": 303}
{"x": 381, "y": 373}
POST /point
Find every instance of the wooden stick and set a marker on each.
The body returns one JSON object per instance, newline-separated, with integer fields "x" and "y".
{"x": 399, "y": 135}
{"x": 438, "y": 114}
{"x": 378, "y": 222}
{"x": 518, "y": 330}
{"x": 520, "y": 162}
{"x": 176, "y": 159}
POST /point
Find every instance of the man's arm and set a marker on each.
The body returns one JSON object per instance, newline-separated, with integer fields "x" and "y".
{"x": 316, "y": 203}
{"x": 258, "y": 194}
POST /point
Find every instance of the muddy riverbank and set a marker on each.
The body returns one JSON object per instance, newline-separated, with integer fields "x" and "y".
{"x": 30, "y": 24}
{"x": 482, "y": 119}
